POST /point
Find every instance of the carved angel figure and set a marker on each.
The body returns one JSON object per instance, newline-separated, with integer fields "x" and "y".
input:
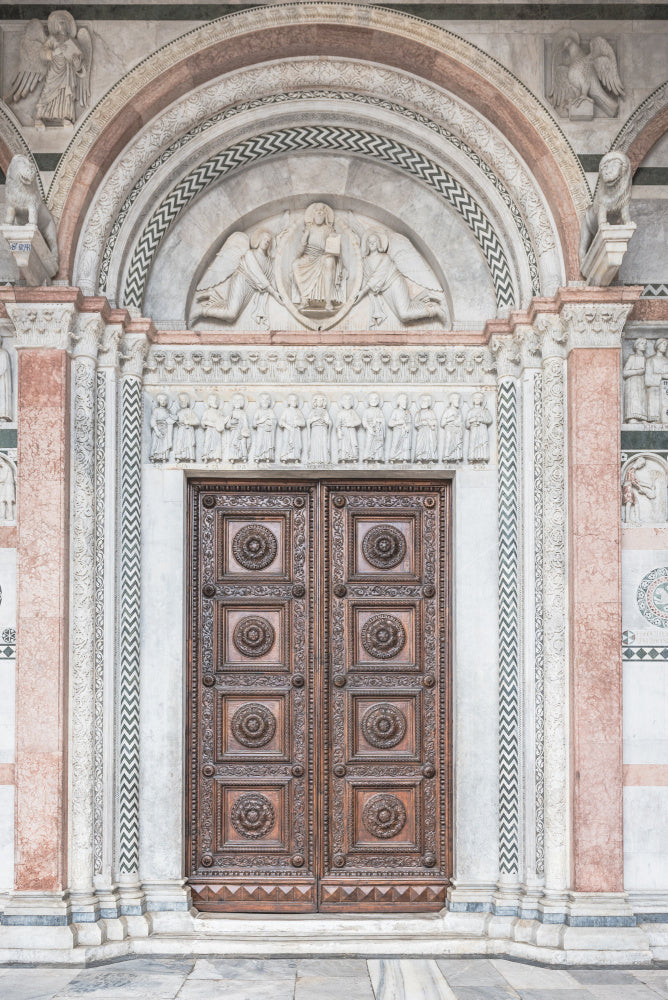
{"x": 390, "y": 262}
{"x": 243, "y": 272}
{"x": 583, "y": 72}
{"x": 58, "y": 61}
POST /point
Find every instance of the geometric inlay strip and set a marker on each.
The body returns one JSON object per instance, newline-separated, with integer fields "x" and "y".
{"x": 509, "y": 641}
{"x": 130, "y": 542}
{"x": 293, "y": 139}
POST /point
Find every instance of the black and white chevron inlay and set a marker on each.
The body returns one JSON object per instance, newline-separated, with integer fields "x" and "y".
{"x": 350, "y": 140}
{"x": 509, "y": 688}
{"x": 130, "y": 532}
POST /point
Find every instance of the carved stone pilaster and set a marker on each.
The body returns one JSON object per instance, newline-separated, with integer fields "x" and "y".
{"x": 85, "y": 338}
{"x": 42, "y": 326}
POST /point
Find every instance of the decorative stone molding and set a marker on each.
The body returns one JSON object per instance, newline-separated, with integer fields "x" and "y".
{"x": 33, "y": 258}
{"x": 589, "y": 324}
{"x": 86, "y": 335}
{"x": 41, "y": 326}
{"x": 646, "y": 111}
{"x": 326, "y": 365}
{"x": 604, "y": 257}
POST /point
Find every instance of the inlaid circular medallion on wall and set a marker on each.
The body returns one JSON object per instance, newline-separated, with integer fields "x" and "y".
{"x": 384, "y": 546}
{"x": 384, "y": 726}
{"x": 653, "y": 597}
{"x": 253, "y": 815}
{"x": 384, "y": 816}
{"x": 383, "y": 636}
{"x": 254, "y": 547}
{"x": 253, "y": 725}
{"x": 253, "y": 636}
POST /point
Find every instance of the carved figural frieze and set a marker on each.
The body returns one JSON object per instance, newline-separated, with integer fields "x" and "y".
{"x": 6, "y": 395}
{"x": 253, "y": 636}
{"x": 383, "y": 637}
{"x": 254, "y": 547}
{"x": 56, "y": 63}
{"x": 384, "y": 546}
{"x": 384, "y": 816}
{"x": 612, "y": 198}
{"x": 24, "y": 205}
{"x": 253, "y": 815}
{"x": 312, "y": 429}
{"x": 585, "y": 76}
{"x": 253, "y": 725}
{"x": 316, "y": 266}
{"x": 644, "y": 490}
{"x": 384, "y": 726}
{"x": 645, "y": 383}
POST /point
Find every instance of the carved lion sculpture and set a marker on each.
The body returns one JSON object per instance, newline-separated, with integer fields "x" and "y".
{"x": 24, "y": 204}
{"x": 611, "y": 198}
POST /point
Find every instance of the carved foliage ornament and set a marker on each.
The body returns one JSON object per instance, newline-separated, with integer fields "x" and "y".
{"x": 383, "y": 637}
{"x": 254, "y": 547}
{"x": 253, "y": 636}
{"x": 253, "y": 815}
{"x": 384, "y": 816}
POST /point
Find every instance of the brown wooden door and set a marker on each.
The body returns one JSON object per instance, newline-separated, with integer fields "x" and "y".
{"x": 319, "y": 771}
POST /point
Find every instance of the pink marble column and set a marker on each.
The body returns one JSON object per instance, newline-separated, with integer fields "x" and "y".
{"x": 41, "y": 685}
{"x": 595, "y": 645}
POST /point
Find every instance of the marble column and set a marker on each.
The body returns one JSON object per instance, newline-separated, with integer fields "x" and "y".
{"x": 42, "y": 340}
{"x": 86, "y": 337}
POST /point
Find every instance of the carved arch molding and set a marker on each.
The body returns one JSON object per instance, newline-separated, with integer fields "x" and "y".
{"x": 427, "y": 132}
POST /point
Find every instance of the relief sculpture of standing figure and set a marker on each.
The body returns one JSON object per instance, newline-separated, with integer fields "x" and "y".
{"x": 633, "y": 375}
{"x": 264, "y": 425}
{"x": 453, "y": 423}
{"x": 211, "y": 422}
{"x": 656, "y": 369}
{"x": 162, "y": 429}
{"x": 347, "y": 424}
{"x": 292, "y": 423}
{"x": 373, "y": 421}
{"x": 320, "y": 425}
{"x": 400, "y": 427}
{"x": 426, "y": 425}
{"x": 478, "y": 421}
{"x": 184, "y": 430}
{"x": 239, "y": 431}
{"x": 6, "y": 407}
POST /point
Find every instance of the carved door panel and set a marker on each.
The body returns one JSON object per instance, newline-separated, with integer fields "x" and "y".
{"x": 386, "y": 767}
{"x": 251, "y": 775}
{"x": 319, "y": 764}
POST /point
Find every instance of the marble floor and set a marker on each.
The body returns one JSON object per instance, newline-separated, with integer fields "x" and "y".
{"x": 329, "y": 979}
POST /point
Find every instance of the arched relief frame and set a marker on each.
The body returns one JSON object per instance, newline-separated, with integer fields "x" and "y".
{"x": 644, "y": 127}
{"x": 300, "y": 30}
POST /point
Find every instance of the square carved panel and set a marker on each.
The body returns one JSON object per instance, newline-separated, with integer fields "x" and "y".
{"x": 383, "y": 726}
{"x": 384, "y": 547}
{"x": 254, "y": 547}
{"x": 385, "y": 815}
{"x": 251, "y": 817}
{"x": 252, "y": 725}
{"x": 383, "y": 636}
{"x": 253, "y": 637}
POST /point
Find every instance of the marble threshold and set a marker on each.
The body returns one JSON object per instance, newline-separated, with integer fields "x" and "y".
{"x": 444, "y": 935}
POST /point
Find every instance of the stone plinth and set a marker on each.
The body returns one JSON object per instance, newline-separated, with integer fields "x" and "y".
{"x": 604, "y": 257}
{"x": 33, "y": 257}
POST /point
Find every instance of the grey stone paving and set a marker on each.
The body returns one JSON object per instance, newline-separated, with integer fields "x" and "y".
{"x": 329, "y": 979}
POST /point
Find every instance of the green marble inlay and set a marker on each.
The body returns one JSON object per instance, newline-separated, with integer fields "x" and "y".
{"x": 8, "y": 437}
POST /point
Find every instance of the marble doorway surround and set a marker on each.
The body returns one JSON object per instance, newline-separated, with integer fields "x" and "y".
{"x": 523, "y": 882}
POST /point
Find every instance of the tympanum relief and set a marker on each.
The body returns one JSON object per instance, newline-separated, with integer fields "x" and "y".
{"x": 314, "y": 429}
{"x": 319, "y": 269}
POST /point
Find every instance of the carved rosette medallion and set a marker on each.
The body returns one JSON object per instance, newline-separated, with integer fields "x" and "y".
{"x": 253, "y": 725}
{"x": 254, "y": 547}
{"x": 384, "y": 816}
{"x": 384, "y": 546}
{"x": 253, "y": 636}
{"x": 383, "y": 637}
{"x": 384, "y": 726}
{"x": 253, "y": 815}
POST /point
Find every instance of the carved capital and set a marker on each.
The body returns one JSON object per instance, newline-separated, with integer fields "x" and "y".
{"x": 42, "y": 326}
{"x": 133, "y": 353}
{"x": 595, "y": 324}
{"x": 108, "y": 355}
{"x": 507, "y": 351}
{"x": 86, "y": 335}
{"x": 553, "y": 335}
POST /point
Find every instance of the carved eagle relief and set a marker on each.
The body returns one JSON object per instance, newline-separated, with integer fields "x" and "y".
{"x": 584, "y": 71}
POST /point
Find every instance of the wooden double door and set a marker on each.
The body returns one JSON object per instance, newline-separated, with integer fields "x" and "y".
{"x": 318, "y": 710}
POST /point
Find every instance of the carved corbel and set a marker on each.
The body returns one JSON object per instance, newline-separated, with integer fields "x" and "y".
{"x": 42, "y": 326}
